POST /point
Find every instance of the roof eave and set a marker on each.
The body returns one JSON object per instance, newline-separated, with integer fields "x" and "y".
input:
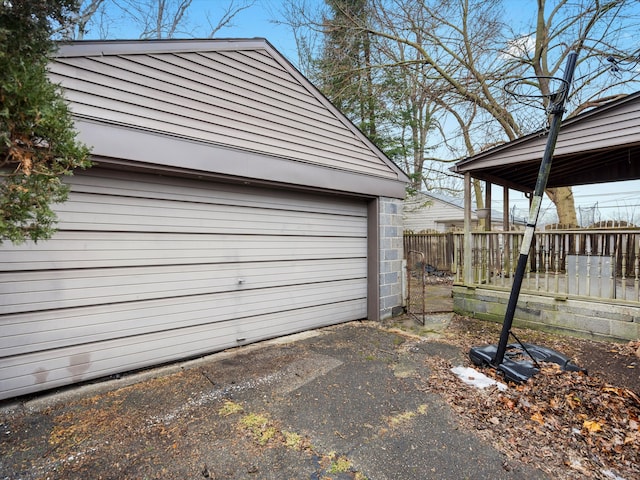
{"x": 81, "y": 48}
{"x": 459, "y": 167}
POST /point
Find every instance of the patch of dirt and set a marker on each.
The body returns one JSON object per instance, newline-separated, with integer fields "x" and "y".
{"x": 568, "y": 424}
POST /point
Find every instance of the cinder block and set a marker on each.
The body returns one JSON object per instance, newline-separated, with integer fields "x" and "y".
{"x": 626, "y": 330}
{"x": 391, "y": 232}
{"x": 390, "y": 206}
{"x": 391, "y": 278}
{"x": 390, "y": 302}
{"x": 391, "y": 255}
{"x": 385, "y": 291}
{"x": 600, "y": 321}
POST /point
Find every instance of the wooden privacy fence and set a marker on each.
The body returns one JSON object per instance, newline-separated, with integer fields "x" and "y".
{"x": 437, "y": 248}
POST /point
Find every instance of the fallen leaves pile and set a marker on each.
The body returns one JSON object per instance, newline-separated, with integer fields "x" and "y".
{"x": 568, "y": 424}
{"x": 630, "y": 348}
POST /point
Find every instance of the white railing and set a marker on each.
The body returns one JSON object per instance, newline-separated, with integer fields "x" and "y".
{"x": 600, "y": 264}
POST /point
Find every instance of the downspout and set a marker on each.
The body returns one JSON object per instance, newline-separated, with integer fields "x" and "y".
{"x": 506, "y": 226}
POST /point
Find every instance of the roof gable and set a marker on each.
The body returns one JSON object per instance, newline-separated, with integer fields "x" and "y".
{"x": 426, "y": 200}
{"x": 601, "y": 145}
{"x": 233, "y": 96}
{"x": 424, "y": 211}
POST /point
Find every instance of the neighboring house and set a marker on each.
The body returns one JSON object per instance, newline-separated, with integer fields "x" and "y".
{"x": 229, "y": 202}
{"x": 430, "y": 212}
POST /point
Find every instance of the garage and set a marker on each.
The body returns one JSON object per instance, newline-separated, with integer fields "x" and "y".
{"x": 185, "y": 238}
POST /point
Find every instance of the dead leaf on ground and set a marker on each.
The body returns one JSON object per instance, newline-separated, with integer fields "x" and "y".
{"x": 592, "y": 426}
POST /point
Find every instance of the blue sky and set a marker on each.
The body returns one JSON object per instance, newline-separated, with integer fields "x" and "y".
{"x": 256, "y": 21}
{"x": 259, "y": 21}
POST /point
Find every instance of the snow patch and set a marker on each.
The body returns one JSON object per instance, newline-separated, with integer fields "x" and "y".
{"x": 476, "y": 379}
{"x": 610, "y": 474}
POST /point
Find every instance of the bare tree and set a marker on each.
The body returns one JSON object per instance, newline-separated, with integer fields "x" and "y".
{"x": 77, "y": 29}
{"x": 381, "y": 85}
{"x": 469, "y": 52}
{"x": 157, "y": 18}
{"x": 412, "y": 105}
{"x": 227, "y": 16}
{"x": 302, "y": 18}
{"x": 153, "y": 19}
{"x": 592, "y": 29}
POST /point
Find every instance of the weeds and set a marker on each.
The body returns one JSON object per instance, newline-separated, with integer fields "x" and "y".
{"x": 230, "y": 408}
{"x": 259, "y": 427}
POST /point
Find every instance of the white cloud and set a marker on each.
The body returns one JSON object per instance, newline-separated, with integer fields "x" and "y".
{"x": 520, "y": 47}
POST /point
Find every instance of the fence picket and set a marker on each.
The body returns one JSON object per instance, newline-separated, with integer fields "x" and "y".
{"x": 604, "y": 260}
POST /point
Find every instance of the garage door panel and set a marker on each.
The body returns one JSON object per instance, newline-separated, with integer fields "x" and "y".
{"x": 24, "y": 333}
{"x": 45, "y": 370}
{"x": 103, "y": 213}
{"x": 132, "y": 185}
{"x": 119, "y": 249}
{"x": 35, "y": 291}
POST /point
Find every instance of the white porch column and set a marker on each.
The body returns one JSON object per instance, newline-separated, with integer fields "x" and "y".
{"x": 466, "y": 262}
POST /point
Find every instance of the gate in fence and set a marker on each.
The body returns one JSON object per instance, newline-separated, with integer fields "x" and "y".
{"x": 416, "y": 285}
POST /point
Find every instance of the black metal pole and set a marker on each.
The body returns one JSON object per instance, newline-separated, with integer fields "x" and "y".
{"x": 541, "y": 184}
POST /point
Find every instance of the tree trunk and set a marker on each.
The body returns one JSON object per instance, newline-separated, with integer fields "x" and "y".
{"x": 562, "y": 198}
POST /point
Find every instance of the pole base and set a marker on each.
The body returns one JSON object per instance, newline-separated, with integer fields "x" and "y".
{"x": 520, "y": 361}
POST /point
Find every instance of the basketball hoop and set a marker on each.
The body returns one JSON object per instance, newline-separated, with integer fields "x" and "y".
{"x": 496, "y": 355}
{"x": 527, "y": 90}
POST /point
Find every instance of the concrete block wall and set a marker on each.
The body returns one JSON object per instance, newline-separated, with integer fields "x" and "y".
{"x": 391, "y": 255}
{"x": 574, "y": 317}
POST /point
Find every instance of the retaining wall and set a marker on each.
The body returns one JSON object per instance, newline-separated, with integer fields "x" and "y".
{"x": 586, "y": 319}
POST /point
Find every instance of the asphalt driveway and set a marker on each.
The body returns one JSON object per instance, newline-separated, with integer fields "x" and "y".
{"x": 346, "y": 402}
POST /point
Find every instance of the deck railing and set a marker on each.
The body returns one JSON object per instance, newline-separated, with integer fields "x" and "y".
{"x": 600, "y": 264}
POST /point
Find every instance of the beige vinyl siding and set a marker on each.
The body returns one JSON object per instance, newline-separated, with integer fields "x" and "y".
{"x": 619, "y": 126}
{"x": 124, "y": 184}
{"x": 147, "y": 269}
{"x": 613, "y": 130}
{"x": 244, "y": 100}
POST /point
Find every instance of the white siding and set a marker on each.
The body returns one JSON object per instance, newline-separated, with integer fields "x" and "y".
{"x": 427, "y": 213}
{"x": 422, "y": 213}
{"x": 147, "y": 269}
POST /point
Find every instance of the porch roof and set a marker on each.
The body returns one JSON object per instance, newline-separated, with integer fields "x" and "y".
{"x": 599, "y": 146}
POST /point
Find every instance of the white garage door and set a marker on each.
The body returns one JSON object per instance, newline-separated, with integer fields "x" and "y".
{"x": 148, "y": 269}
